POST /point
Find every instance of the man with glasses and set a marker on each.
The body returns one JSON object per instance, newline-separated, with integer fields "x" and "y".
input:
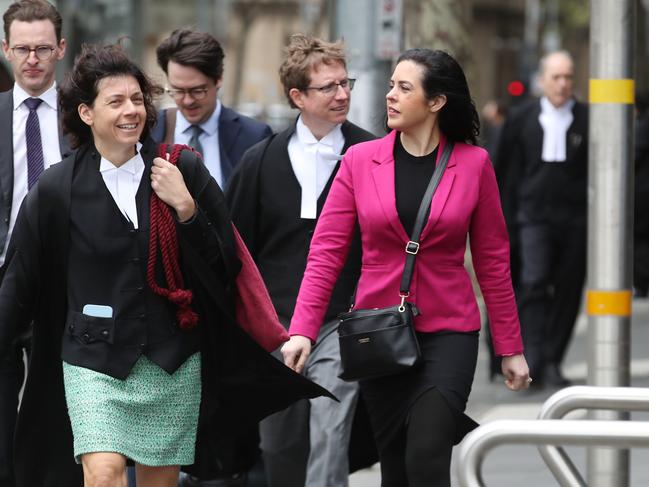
{"x": 276, "y": 194}
{"x": 31, "y": 142}
{"x": 193, "y": 63}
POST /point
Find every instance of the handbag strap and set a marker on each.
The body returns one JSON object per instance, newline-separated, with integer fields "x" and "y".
{"x": 412, "y": 247}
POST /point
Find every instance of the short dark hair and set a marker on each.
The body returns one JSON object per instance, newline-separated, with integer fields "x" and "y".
{"x": 443, "y": 75}
{"x": 198, "y": 50}
{"x": 31, "y": 10}
{"x": 94, "y": 63}
{"x": 303, "y": 53}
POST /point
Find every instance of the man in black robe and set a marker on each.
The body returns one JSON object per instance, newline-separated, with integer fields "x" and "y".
{"x": 276, "y": 194}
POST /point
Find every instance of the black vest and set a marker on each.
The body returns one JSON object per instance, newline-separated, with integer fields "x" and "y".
{"x": 107, "y": 266}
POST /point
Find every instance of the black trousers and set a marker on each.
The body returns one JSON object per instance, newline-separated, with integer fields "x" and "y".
{"x": 420, "y": 454}
{"x": 553, "y": 268}
{"x": 12, "y": 374}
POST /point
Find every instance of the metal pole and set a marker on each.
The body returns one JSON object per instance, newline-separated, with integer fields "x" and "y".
{"x": 610, "y": 217}
{"x": 360, "y": 35}
{"x": 530, "y": 56}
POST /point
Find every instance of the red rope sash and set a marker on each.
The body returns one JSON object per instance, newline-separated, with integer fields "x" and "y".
{"x": 162, "y": 235}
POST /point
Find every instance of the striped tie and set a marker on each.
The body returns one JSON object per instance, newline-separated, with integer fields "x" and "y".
{"x": 34, "y": 146}
{"x": 194, "y": 141}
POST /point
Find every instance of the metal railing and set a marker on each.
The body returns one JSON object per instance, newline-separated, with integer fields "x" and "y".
{"x": 474, "y": 448}
{"x": 585, "y": 397}
{"x": 549, "y": 433}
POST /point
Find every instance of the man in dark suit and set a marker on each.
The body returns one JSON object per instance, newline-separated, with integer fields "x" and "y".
{"x": 31, "y": 142}
{"x": 276, "y": 195}
{"x": 542, "y": 169}
{"x": 193, "y": 63}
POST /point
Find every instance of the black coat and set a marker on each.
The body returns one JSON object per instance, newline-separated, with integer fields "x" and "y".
{"x": 533, "y": 190}
{"x": 241, "y": 382}
{"x": 264, "y": 197}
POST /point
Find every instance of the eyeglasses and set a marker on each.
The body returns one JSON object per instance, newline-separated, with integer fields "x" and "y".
{"x": 331, "y": 88}
{"x": 43, "y": 53}
{"x": 196, "y": 93}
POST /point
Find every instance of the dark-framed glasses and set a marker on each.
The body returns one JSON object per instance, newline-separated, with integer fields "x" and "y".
{"x": 330, "y": 89}
{"x": 43, "y": 53}
{"x": 195, "y": 93}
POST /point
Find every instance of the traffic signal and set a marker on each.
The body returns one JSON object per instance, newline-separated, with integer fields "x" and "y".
{"x": 516, "y": 88}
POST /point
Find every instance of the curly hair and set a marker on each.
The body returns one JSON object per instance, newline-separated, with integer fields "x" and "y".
{"x": 94, "y": 63}
{"x": 198, "y": 50}
{"x": 458, "y": 118}
{"x": 304, "y": 53}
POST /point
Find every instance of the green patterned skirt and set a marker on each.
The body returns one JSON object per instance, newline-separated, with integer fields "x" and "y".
{"x": 151, "y": 417}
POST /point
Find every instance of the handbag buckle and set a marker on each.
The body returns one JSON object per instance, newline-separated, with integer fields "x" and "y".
{"x": 412, "y": 247}
{"x": 402, "y": 305}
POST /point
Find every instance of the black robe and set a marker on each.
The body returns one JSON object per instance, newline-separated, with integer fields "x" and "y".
{"x": 242, "y": 383}
{"x": 265, "y": 171}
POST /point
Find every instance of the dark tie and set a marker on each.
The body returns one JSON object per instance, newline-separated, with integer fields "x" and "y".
{"x": 34, "y": 146}
{"x": 194, "y": 142}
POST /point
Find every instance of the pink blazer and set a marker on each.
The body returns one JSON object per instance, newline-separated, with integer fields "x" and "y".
{"x": 466, "y": 202}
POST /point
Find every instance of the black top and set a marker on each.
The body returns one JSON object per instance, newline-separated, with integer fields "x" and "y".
{"x": 411, "y": 178}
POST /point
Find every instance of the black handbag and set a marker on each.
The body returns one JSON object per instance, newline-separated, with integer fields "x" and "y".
{"x": 382, "y": 341}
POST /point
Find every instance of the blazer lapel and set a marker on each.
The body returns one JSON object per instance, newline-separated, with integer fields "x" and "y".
{"x": 383, "y": 175}
{"x": 6, "y": 149}
{"x": 229, "y": 128}
{"x": 575, "y": 135}
{"x": 64, "y": 144}
{"x": 442, "y": 192}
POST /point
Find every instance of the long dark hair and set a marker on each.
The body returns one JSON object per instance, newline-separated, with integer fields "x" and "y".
{"x": 458, "y": 118}
{"x": 80, "y": 86}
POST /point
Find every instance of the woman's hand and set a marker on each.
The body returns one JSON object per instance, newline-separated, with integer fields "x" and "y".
{"x": 168, "y": 183}
{"x": 516, "y": 372}
{"x": 296, "y": 351}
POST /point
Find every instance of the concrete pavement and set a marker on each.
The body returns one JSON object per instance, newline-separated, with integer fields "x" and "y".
{"x": 513, "y": 466}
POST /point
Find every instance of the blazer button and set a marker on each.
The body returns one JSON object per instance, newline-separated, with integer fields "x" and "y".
{"x": 142, "y": 317}
{"x": 71, "y": 327}
{"x": 7, "y": 221}
{"x": 86, "y": 337}
{"x": 104, "y": 333}
{"x": 143, "y": 346}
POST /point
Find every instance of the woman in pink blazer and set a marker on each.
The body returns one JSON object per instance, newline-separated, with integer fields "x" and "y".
{"x": 418, "y": 415}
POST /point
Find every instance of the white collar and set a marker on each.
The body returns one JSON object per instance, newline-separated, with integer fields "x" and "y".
{"x": 48, "y": 96}
{"x": 548, "y": 107}
{"x": 133, "y": 165}
{"x": 209, "y": 126}
{"x": 333, "y": 139}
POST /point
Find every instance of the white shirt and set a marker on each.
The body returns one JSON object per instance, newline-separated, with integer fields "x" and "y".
{"x": 555, "y": 123}
{"x": 123, "y": 182}
{"x": 209, "y": 140}
{"x": 313, "y": 162}
{"x": 49, "y": 124}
